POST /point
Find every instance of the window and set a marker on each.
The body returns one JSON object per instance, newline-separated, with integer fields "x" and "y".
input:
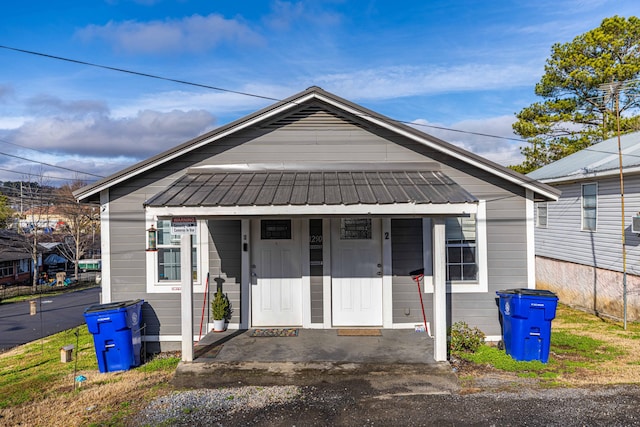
{"x": 542, "y": 215}
{"x": 462, "y": 262}
{"x": 275, "y": 229}
{"x": 6, "y": 268}
{"x": 355, "y": 229}
{"x": 168, "y": 262}
{"x": 163, "y": 269}
{"x": 589, "y": 206}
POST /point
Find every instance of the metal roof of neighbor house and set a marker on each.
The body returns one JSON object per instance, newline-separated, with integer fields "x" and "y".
{"x": 304, "y": 187}
{"x": 313, "y": 94}
{"x": 597, "y": 160}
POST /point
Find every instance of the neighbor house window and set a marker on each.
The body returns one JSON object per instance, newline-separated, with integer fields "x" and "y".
{"x": 589, "y": 206}
{"x": 462, "y": 263}
{"x": 542, "y": 215}
{"x": 168, "y": 263}
{"x": 6, "y": 268}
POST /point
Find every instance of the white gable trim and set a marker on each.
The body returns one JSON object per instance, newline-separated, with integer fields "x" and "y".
{"x": 436, "y": 146}
{"x": 291, "y": 104}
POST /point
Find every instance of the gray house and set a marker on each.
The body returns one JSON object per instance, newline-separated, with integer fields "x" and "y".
{"x": 579, "y": 251}
{"x": 312, "y": 213}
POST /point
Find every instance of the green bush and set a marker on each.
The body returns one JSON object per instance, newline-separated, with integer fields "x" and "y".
{"x": 465, "y": 339}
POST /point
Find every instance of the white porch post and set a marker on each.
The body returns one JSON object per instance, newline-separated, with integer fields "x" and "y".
{"x": 439, "y": 290}
{"x": 387, "y": 269}
{"x": 245, "y": 283}
{"x": 186, "y": 298}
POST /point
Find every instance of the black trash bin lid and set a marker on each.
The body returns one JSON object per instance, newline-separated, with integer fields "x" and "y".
{"x": 528, "y": 292}
{"x": 111, "y": 306}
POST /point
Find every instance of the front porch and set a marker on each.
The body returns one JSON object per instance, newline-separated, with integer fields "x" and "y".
{"x": 317, "y": 345}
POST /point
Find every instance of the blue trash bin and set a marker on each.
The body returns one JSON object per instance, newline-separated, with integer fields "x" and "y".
{"x": 526, "y": 325}
{"x": 116, "y": 330}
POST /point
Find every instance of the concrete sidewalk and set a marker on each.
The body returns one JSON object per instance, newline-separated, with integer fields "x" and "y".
{"x": 396, "y": 358}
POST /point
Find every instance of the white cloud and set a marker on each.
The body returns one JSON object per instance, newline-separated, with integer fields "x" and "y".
{"x": 99, "y": 135}
{"x": 195, "y": 33}
{"x": 394, "y": 82}
{"x": 285, "y": 14}
{"x": 475, "y": 137}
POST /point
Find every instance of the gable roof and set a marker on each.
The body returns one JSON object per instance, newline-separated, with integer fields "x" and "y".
{"x": 92, "y": 191}
{"x": 598, "y": 160}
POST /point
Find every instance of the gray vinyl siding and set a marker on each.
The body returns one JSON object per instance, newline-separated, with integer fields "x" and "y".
{"x": 407, "y": 255}
{"x": 564, "y": 239}
{"x": 325, "y": 140}
{"x": 225, "y": 265}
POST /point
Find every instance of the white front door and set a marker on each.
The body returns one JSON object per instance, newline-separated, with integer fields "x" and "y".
{"x": 356, "y": 263}
{"x": 276, "y": 285}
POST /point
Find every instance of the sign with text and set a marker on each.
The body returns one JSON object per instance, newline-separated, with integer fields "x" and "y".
{"x": 184, "y": 225}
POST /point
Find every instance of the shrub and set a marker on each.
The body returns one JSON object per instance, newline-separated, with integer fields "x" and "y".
{"x": 465, "y": 339}
{"x": 220, "y": 306}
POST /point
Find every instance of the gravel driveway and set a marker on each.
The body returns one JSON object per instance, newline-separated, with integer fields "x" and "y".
{"x": 362, "y": 403}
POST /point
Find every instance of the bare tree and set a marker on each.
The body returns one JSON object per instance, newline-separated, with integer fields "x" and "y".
{"x": 37, "y": 196}
{"x": 79, "y": 226}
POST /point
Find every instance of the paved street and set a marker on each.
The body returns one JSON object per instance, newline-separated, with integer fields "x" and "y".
{"x": 54, "y": 314}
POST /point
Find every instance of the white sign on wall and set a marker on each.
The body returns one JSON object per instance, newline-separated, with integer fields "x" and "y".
{"x": 184, "y": 225}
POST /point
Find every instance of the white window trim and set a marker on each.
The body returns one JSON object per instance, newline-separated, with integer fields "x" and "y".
{"x": 582, "y": 228}
{"x": 482, "y": 284}
{"x": 156, "y": 287}
{"x": 546, "y": 205}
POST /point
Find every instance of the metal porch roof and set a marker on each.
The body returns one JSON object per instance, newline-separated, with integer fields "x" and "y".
{"x": 338, "y": 187}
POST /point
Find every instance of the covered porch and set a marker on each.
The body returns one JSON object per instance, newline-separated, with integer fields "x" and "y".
{"x": 278, "y": 208}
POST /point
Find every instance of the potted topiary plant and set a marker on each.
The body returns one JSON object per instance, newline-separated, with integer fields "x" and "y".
{"x": 221, "y": 311}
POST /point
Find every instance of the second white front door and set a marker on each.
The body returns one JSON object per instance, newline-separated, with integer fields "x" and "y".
{"x": 276, "y": 297}
{"x": 356, "y": 264}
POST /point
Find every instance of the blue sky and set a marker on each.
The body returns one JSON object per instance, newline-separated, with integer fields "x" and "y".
{"x": 466, "y": 65}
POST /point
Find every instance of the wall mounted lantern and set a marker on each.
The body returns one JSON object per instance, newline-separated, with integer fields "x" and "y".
{"x": 151, "y": 239}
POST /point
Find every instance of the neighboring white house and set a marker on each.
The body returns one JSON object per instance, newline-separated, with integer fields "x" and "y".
{"x": 579, "y": 251}
{"x": 311, "y": 213}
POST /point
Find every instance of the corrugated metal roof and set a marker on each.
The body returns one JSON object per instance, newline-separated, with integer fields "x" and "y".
{"x": 277, "y": 188}
{"x": 598, "y": 158}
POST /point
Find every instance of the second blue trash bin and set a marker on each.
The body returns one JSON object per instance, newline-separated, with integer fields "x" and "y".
{"x": 116, "y": 334}
{"x": 526, "y": 326}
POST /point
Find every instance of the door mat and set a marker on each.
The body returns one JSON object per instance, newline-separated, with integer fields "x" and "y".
{"x": 359, "y": 333}
{"x": 207, "y": 352}
{"x": 274, "y": 332}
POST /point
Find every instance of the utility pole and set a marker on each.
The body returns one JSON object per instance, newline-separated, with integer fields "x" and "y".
{"x": 614, "y": 88}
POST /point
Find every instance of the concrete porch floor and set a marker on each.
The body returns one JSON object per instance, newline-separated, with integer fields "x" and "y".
{"x": 320, "y": 345}
{"x": 313, "y": 356}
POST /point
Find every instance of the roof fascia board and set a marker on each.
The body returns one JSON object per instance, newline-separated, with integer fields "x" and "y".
{"x": 439, "y": 147}
{"x": 291, "y": 210}
{"x": 581, "y": 177}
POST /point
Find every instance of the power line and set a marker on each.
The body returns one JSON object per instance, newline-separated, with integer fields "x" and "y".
{"x": 220, "y": 89}
{"x": 50, "y": 165}
{"x": 153, "y": 76}
{"x": 137, "y": 73}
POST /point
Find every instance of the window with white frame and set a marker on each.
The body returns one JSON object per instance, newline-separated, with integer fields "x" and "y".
{"x": 163, "y": 266}
{"x": 168, "y": 255}
{"x": 542, "y": 215}
{"x": 462, "y": 262}
{"x": 589, "y": 206}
